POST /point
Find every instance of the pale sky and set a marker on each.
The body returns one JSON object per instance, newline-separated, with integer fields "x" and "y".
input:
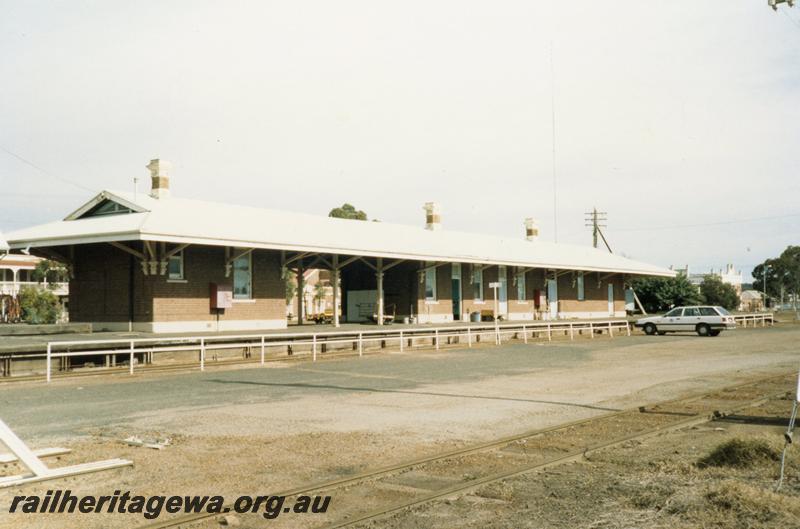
{"x": 667, "y": 115}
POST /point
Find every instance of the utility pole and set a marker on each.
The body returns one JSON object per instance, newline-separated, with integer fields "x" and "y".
{"x": 596, "y": 220}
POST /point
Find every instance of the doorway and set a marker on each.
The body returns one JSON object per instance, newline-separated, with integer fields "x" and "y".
{"x": 502, "y": 294}
{"x": 456, "y": 278}
{"x": 552, "y": 298}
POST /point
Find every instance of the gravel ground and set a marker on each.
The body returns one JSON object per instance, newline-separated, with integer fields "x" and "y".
{"x": 261, "y": 430}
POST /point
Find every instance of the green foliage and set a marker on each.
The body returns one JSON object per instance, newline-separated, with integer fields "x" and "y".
{"x": 39, "y": 305}
{"x": 52, "y": 271}
{"x": 715, "y": 292}
{"x": 347, "y": 211}
{"x": 782, "y": 274}
{"x": 290, "y": 284}
{"x": 658, "y": 294}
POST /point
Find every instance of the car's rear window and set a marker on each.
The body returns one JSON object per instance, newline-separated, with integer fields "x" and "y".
{"x": 692, "y": 311}
{"x": 723, "y": 311}
{"x": 708, "y": 311}
{"x": 674, "y": 313}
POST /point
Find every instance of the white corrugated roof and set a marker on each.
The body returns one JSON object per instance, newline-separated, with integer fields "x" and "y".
{"x": 198, "y": 222}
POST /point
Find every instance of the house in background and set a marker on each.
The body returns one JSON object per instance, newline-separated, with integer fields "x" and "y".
{"x": 16, "y": 273}
{"x": 728, "y": 275}
{"x": 752, "y": 301}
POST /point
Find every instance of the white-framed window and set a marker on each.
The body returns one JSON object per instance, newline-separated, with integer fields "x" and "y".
{"x": 175, "y": 266}
{"x": 430, "y": 282}
{"x": 477, "y": 284}
{"x": 243, "y": 277}
{"x": 520, "y": 286}
{"x": 581, "y": 290}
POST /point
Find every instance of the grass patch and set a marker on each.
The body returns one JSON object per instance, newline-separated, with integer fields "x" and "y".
{"x": 745, "y": 502}
{"x": 740, "y": 453}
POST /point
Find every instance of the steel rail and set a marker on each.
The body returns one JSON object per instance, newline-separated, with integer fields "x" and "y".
{"x": 493, "y": 444}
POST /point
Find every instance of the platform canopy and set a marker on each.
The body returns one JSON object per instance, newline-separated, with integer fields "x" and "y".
{"x": 113, "y": 216}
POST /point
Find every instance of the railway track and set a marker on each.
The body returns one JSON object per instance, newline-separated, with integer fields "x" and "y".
{"x": 397, "y": 487}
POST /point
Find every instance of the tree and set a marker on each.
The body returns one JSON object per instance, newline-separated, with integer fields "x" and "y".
{"x": 290, "y": 284}
{"x": 782, "y": 275}
{"x": 50, "y": 271}
{"x": 715, "y": 292}
{"x": 658, "y": 294}
{"x": 347, "y": 211}
{"x": 39, "y": 305}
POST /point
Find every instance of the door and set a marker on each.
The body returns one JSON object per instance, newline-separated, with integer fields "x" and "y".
{"x": 671, "y": 321}
{"x": 502, "y": 294}
{"x": 691, "y": 317}
{"x": 552, "y": 298}
{"x": 611, "y": 299}
{"x": 456, "y": 278}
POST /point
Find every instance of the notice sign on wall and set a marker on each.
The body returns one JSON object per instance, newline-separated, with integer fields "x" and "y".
{"x": 221, "y": 296}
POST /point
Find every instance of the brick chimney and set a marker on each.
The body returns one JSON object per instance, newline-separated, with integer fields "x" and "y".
{"x": 531, "y": 229}
{"x": 433, "y": 216}
{"x": 159, "y": 173}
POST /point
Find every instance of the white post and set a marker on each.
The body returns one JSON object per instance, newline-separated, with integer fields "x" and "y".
{"x": 49, "y": 360}
{"x": 628, "y": 327}
{"x": 336, "y": 291}
{"x": 401, "y": 341}
{"x": 610, "y": 330}
{"x": 314, "y": 347}
{"x": 262, "y": 350}
{"x": 549, "y": 333}
{"x": 202, "y": 354}
{"x": 524, "y": 334}
{"x": 379, "y": 276}
{"x": 130, "y": 360}
{"x": 469, "y": 336}
{"x": 591, "y": 330}
{"x": 436, "y": 338}
{"x": 571, "y": 332}
{"x": 360, "y": 344}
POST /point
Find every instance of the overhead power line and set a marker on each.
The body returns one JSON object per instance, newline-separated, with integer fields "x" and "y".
{"x": 708, "y": 224}
{"x": 44, "y": 171}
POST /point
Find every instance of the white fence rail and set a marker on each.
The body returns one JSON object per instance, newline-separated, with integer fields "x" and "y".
{"x": 755, "y": 318}
{"x": 403, "y": 337}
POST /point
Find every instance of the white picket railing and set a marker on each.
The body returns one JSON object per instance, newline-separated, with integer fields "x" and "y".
{"x": 755, "y": 318}
{"x": 315, "y": 340}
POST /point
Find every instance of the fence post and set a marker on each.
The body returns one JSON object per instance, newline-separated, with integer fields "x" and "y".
{"x": 591, "y": 330}
{"x": 763, "y": 320}
{"x": 549, "y": 332}
{"x": 401, "y": 341}
{"x": 314, "y": 347}
{"x": 262, "y": 350}
{"x": 628, "y": 327}
{"x": 202, "y": 354}
{"x": 610, "y": 330}
{"x": 49, "y": 360}
{"x": 571, "y": 332}
{"x": 469, "y": 336}
{"x": 130, "y": 360}
{"x": 524, "y": 334}
{"x": 360, "y": 344}
{"x": 436, "y": 338}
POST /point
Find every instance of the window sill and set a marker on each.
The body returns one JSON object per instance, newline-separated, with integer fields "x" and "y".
{"x": 244, "y": 300}
{"x": 431, "y": 301}
{"x": 181, "y": 281}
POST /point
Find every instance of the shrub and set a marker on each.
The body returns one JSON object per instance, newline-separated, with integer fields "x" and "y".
{"x": 740, "y": 453}
{"x": 39, "y": 305}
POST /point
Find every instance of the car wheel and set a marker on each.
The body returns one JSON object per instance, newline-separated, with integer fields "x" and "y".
{"x": 715, "y": 332}
{"x": 650, "y": 329}
{"x": 703, "y": 330}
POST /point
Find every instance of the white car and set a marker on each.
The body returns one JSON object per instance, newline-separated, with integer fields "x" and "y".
{"x": 704, "y": 320}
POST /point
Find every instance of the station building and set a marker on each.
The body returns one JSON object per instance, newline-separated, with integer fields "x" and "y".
{"x": 155, "y": 263}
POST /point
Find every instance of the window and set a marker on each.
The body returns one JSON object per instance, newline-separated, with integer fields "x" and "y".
{"x": 175, "y": 266}
{"x": 581, "y": 289}
{"x": 708, "y": 311}
{"x": 692, "y": 311}
{"x": 107, "y": 207}
{"x": 674, "y": 313}
{"x": 477, "y": 284}
{"x": 723, "y": 311}
{"x": 521, "y": 286}
{"x": 243, "y": 277}
{"x": 430, "y": 282}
